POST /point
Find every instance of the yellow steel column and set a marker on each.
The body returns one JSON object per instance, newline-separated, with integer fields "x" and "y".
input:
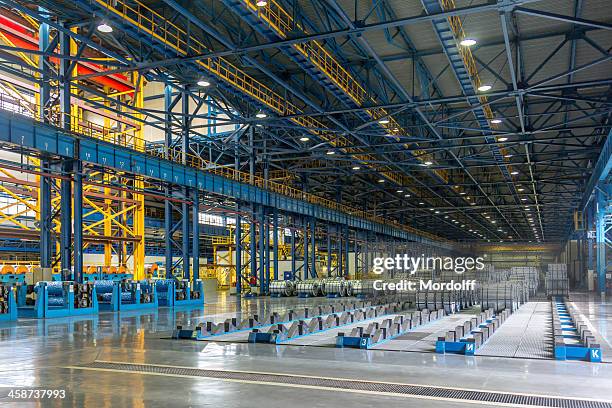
{"x": 108, "y": 231}
{"x": 138, "y": 213}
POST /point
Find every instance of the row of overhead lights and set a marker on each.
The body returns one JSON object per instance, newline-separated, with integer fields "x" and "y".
{"x": 468, "y": 42}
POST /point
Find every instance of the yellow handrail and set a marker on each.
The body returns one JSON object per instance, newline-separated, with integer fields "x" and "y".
{"x": 153, "y": 23}
{"x": 282, "y": 22}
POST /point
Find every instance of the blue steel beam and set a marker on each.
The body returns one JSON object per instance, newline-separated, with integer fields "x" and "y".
{"x": 252, "y": 18}
{"x": 28, "y": 134}
{"x": 600, "y": 172}
{"x": 209, "y": 30}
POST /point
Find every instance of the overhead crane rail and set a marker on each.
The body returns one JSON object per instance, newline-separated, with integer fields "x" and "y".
{"x": 168, "y": 33}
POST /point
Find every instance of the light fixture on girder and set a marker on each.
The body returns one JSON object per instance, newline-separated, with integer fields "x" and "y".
{"x": 304, "y": 139}
{"x": 484, "y": 88}
{"x": 468, "y": 42}
{"x": 261, "y": 3}
{"x": 203, "y": 82}
{"x": 103, "y": 27}
{"x": 384, "y": 121}
{"x": 261, "y": 114}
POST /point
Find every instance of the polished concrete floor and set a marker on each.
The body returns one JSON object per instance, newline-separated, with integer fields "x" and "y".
{"x": 44, "y": 354}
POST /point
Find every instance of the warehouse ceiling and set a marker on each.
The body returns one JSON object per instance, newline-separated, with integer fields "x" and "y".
{"x": 507, "y": 164}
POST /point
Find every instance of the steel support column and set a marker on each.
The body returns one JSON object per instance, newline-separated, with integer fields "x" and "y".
{"x": 603, "y": 225}
{"x": 346, "y": 250}
{"x": 329, "y": 251}
{"x": 195, "y": 251}
{"x": 44, "y": 198}
{"x": 253, "y": 231}
{"x": 267, "y": 250}
{"x": 313, "y": 248}
{"x": 78, "y": 222}
{"x": 66, "y": 221}
{"x": 275, "y": 241}
{"x": 238, "y": 242}
{"x": 185, "y": 234}
{"x": 305, "y": 245}
{"x": 262, "y": 251}
{"x": 293, "y": 263}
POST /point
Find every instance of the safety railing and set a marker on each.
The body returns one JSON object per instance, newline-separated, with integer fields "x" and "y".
{"x": 282, "y": 22}
{"x": 466, "y": 54}
{"x": 148, "y": 20}
{"x": 154, "y": 24}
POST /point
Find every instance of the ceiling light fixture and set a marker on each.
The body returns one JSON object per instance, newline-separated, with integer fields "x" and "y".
{"x": 484, "y": 88}
{"x": 468, "y": 42}
{"x": 502, "y": 139}
{"x": 381, "y": 180}
{"x": 203, "y": 82}
{"x": 261, "y": 3}
{"x": 103, "y": 27}
{"x": 384, "y": 121}
{"x": 330, "y": 152}
{"x": 304, "y": 139}
{"x": 514, "y": 172}
{"x": 428, "y": 163}
{"x": 261, "y": 115}
{"x": 356, "y": 167}
{"x": 496, "y": 121}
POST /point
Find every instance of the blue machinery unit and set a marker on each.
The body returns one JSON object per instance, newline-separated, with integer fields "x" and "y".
{"x": 472, "y": 334}
{"x": 177, "y": 293}
{"x": 8, "y": 304}
{"x": 58, "y": 299}
{"x": 51, "y": 299}
{"x": 573, "y": 340}
{"x": 126, "y": 295}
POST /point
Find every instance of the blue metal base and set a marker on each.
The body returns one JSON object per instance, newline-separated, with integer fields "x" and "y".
{"x": 457, "y": 347}
{"x": 578, "y": 353}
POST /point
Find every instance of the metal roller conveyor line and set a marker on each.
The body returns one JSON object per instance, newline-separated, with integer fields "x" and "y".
{"x": 304, "y": 329}
{"x": 235, "y": 330}
{"x": 424, "y": 337}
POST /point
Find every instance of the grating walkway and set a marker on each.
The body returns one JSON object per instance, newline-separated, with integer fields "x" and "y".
{"x": 527, "y": 334}
{"x": 345, "y": 385}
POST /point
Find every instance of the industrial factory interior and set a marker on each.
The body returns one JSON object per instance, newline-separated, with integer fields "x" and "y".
{"x": 306, "y": 203}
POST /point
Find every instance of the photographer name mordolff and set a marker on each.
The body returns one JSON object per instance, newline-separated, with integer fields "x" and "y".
{"x": 408, "y": 285}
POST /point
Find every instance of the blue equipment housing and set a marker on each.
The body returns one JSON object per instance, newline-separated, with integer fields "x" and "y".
{"x": 126, "y": 295}
{"x": 173, "y": 293}
{"x": 8, "y": 304}
{"x": 58, "y": 299}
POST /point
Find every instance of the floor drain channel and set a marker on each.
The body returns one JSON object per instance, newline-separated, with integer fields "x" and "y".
{"x": 347, "y": 385}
